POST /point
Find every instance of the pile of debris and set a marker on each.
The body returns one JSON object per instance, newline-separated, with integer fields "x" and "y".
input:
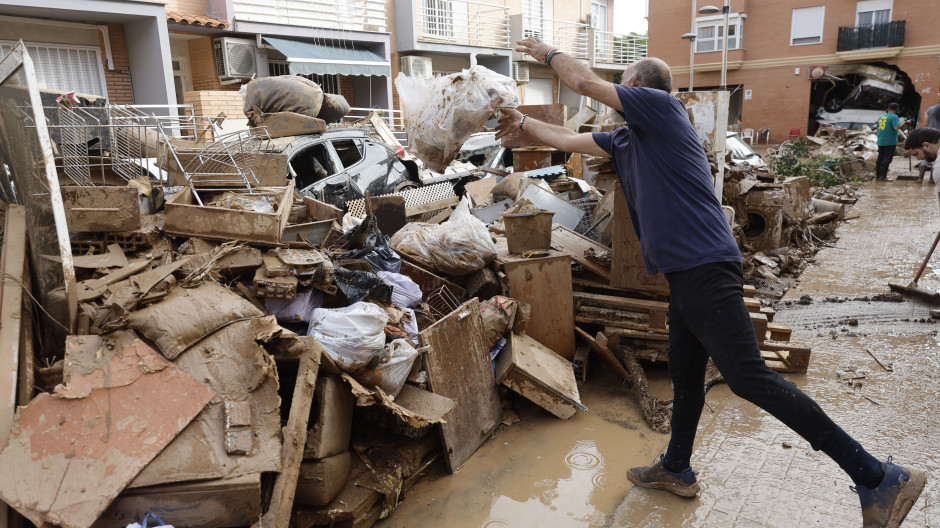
{"x": 231, "y": 353}
{"x": 838, "y": 142}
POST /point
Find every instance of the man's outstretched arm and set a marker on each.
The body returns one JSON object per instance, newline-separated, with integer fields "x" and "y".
{"x": 573, "y": 73}
{"x": 555, "y": 136}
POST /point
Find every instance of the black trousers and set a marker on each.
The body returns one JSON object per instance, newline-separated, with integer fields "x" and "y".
{"x": 886, "y": 154}
{"x": 708, "y": 318}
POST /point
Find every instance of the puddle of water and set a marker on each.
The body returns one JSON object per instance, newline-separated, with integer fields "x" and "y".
{"x": 540, "y": 472}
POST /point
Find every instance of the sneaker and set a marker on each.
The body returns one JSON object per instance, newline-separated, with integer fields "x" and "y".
{"x": 887, "y": 505}
{"x": 658, "y": 477}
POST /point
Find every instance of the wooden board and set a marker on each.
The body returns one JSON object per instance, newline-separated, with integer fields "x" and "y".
{"x": 540, "y": 375}
{"x": 295, "y": 438}
{"x": 13, "y": 266}
{"x": 606, "y": 356}
{"x": 545, "y": 284}
{"x": 459, "y": 368}
{"x": 574, "y": 245}
{"x": 553, "y": 113}
{"x": 389, "y": 212}
{"x": 182, "y": 216}
{"x": 657, "y": 310}
{"x": 205, "y": 504}
{"x": 627, "y": 268}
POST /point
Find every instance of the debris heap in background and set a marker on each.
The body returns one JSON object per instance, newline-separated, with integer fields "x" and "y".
{"x": 311, "y": 363}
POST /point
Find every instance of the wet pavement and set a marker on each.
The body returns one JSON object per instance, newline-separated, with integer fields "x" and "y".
{"x": 755, "y": 472}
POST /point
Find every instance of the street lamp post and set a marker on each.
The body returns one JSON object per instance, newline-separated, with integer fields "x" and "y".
{"x": 691, "y": 38}
{"x": 726, "y": 10}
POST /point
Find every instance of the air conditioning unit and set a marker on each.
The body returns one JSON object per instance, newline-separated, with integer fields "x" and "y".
{"x": 414, "y": 66}
{"x": 234, "y": 58}
{"x": 591, "y": 20}
{"x": 520, "y": 72}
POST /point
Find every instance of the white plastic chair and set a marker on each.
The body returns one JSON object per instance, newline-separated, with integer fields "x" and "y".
{"x": 748, "y": 135}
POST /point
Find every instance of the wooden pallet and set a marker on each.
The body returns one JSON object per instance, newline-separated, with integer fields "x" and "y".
{"x": 642, "y": 325}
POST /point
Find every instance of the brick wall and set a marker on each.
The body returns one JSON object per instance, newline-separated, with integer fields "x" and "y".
{"x": 117, "y": 81}
{"x": 202, "y": 65}
{"x": 211, "y": 102}
{"x": 347, "y": 89}
{"x": 767, "y": 65}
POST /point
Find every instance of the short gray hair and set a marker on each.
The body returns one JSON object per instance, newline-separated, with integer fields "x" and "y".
{"x": 651, "y": 73}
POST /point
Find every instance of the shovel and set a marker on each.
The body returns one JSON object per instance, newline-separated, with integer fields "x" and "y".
{"x": 912, "y": 288}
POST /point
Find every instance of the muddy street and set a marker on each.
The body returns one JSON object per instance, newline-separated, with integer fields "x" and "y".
{"x": 754, "y": 471}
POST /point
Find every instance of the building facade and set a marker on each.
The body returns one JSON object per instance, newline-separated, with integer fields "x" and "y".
{"x": 789, "y": 61}
{"x": 200, "y": 52}
{"x": 112, "y": 48}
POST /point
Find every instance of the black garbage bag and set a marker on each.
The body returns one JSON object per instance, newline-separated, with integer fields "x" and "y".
{"x": 372, "y": 247}
{"x": 356, "y": 285}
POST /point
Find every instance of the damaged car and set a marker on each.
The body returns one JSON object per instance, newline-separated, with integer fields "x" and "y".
{"x": 344, "y": 164}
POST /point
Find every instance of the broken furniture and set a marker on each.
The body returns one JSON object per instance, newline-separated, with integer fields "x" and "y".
{"x": 186, "y": 217}
{"x": 545, "y": 284}
{"x": 642, "y": 325}
{"x": 542, "y": 376}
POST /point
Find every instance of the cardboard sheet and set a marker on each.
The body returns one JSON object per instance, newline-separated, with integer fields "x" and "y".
{"x": 72, "y": 452}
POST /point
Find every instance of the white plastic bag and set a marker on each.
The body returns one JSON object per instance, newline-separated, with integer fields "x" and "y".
{"x": 457, "y": 247}
{"x": 405, "y": 292}
{"x": 296, "y": 310}
{"x": 390, "y": 371}
{"x": 350, "y": 335}
{"x": 442, "y": 112}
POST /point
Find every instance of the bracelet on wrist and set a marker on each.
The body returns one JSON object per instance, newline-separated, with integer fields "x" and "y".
{"x": 552, "y": 53}
{"x": 522, "y": 120}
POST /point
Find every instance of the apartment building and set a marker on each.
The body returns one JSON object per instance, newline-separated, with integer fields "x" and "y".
{"x": 357, "y": 47}
{"x": 787, "y": 61}
{"x": 113, "y": 48}
{"x": 200, "y": 52}
{"x": 438, "y": 36}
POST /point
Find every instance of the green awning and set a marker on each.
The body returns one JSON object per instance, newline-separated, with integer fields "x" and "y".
{"x": 305, "y": 58}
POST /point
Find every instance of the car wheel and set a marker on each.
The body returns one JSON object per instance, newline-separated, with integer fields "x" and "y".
{"x": 833, "y": 105}
{"x": 405, "y": 185}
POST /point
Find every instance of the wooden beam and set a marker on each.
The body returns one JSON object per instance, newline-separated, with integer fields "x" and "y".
{"x": 295, "y": 438}
{"x": 605, "y": 354}
{"x": 13, "y": 268}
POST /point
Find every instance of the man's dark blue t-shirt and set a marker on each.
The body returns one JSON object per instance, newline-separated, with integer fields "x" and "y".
{"x": 667, "y": 182}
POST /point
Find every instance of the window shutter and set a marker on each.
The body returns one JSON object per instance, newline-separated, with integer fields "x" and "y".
{"x": 65, "y": 68}
{"x": 807, "y": 23}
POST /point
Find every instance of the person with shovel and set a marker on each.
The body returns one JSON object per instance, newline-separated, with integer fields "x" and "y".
{"x": 668, "y": 186}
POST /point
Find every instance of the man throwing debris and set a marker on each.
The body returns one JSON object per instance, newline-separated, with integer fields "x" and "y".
{"x": 667, "y": 182}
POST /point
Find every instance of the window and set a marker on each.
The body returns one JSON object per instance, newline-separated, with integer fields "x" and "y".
{"x": 710, "y": 32}
{"x": 806, "y": 26}
{"x": 349, "y": 152}
{"x": 439, "y": 18}
{"x": 328, "y": 83}
{"x": 65, "y": 68}
{"x": 872, "y": 12}
{"x": 533, "y": 15}
{"x": 599, "y": 16}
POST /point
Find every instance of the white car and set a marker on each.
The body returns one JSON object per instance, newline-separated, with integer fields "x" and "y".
{"x": 741, "y": 152}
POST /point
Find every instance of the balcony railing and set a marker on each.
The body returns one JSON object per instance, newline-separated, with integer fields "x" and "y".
{"x": 613, "y": 48}
{"x": 568, "y": 37}
{"x": 888, "y": 35}
{"x": 463, "y": 22}
{"x": 349, "y": 15}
